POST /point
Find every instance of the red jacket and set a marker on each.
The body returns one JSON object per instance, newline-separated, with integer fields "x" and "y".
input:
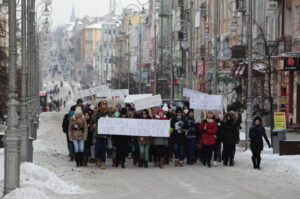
{"x": 208, "y": 136}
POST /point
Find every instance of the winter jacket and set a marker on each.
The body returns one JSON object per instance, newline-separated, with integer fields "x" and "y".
{"x": 178, "y": 136}
{"x": 95, "y": 119}
{"x": 208, "y": 130}
{"x": 89, "y": 140}
{"x": 230, "y": 133}
{"x": 160, "y": 140}
{"x": 78, "y": 129}
{"x": 256, "y": 134}
{"x": 190, "y": 127}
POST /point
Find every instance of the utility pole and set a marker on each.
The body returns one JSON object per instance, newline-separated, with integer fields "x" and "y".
{"x": 249, "y": 96}
{"x": 128, "y": 62}
{"x": 120, "y": 58}
{"x": 191, "y": 46}
{"x": 155, "y": 59}
{"x": 171, "y": 62}
{"x": 216, "y": 24}
{"x": 24, "y": 105}
{"x": 140, "y": 56}
{"x": 12, "y": 136}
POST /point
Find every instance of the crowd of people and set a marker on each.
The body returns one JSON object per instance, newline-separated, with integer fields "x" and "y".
{"x": 212, "y": 140}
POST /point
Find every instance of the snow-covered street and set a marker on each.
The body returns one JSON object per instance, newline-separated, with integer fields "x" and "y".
{"x": 53, "y": 176}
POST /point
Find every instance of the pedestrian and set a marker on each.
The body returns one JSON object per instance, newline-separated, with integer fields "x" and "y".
{"x": 160, "y": 143}
{"x": 121, "y": 142}
{"x": 178, "y": 137}
{"x": 89, "y": 141}
{"x": 256, "y": 135}
{"x": 101, "y": 139}
{"x": 230, "y": 137}
{"x": 191, "y": 135}
{"x": 78, "y": 132}
{"x": 218, "y": 145}
{"x": 208, "y": 128}
{"x": 144, "y": 144}
{"x": 65, "y": 127}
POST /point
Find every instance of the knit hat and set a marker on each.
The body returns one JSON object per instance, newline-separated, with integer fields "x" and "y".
{"x": 165, "y": 108}
{"x": 145, "y": 112}
{"x": 159, "y": 111}
{"x": 78, "y": 111}
{"x": 123, "y": 111}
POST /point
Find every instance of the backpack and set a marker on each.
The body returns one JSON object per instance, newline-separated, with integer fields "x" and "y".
{"x": 65, "y": 124}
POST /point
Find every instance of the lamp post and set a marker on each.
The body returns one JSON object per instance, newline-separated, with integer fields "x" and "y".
{"x": 12, "y": 135}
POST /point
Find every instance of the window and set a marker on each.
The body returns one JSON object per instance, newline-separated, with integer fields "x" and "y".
{"x": 90, "y": 35}
{"x": 226, "y": 50}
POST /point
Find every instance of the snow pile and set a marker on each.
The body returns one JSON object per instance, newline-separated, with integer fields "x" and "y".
{"x": 42, "y": 178}
{"x": 26, "y": 193}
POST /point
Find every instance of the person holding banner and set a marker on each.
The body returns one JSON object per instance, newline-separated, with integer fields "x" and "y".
{"x": 144, "y": 144}
{"x": 78, "y": 133}
{"x": 121, "y": 142}
{"x": 208, "y": 128}
{"x": 160, "y": 143}
{"x": 101, "y": 140}
{"x": 178, "y": 137}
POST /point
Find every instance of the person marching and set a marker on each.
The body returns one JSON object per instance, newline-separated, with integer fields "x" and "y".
{"x": 121, "y": 142}
{"x": 230, "y": 137}
{"x": 78, "y": 132}
{"x": 89, "y": 141}
{"x": 208, "y": 127}
{"x": 178, "y": 137}
{"x": 144, "y": 144}
{"x": 256, "y": 135}
{"x": 101, "y": 140}
{"x": 160, "y": 143}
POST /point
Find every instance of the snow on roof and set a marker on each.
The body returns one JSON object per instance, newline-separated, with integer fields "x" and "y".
{"x": 94, "y": 26}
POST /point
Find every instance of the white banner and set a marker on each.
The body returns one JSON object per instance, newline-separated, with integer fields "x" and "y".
{"x": 207, "y": 102}
{"x": 148, "y": 102}
{"x": 131, "y": 98}
{"x": 89, "y": 92}
{"x": 192, "y": 93}
{"x": 113, "y": 93}
{"x": 133, "y": 127}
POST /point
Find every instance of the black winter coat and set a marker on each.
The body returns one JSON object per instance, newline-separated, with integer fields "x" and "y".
{"x": 120, "y": 140}
{"x": 256, "y": 137}
{"x": 89, "y": 140}
{"x": 178, "y": 136}
{"x": 190, "y": 127}
{"x": 230, "y": 133}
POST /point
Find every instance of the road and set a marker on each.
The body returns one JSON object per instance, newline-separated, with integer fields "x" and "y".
{"x": 240, "y": 181}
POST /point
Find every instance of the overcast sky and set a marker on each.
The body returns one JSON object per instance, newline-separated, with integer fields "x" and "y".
{"x": 62, "y": 9}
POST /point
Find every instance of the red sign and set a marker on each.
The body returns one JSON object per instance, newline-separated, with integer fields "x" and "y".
{"x": 201, "y": 67}
{"x": 290, "y": 61}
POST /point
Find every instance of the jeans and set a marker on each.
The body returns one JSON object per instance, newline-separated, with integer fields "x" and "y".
{"x": 217, "y": 150}
{"x": 70, "y": 146}
{"x": 101, "y": 144}
{"x": 144, "y": 152}
{"x": 191, "y": 148}
{"x": 78, "y": 146}
{"x": 179, "y": 151}
{"x": 93, "y": 151}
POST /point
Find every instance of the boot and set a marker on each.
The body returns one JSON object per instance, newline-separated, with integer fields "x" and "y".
{"x": 231, "y": 162}
{"x": 254, "y": 163}
{"x": 146, "y": 164}
{"x": 114, "y": 162}
{"x": 71, "y": 159}
{"x": 81, "y": 156}
{"x": 155, "y": 162}
{"x": 102, "y": 165}
{"x": 181, "y": 163}
{"x": 117, "y": 164}
{"x": 176, "y": 163}
{"x": 123, "y": 165}
{"x": 258, "y": 163}
{"x": 77, "y": 159}
{"x": 161, "y": 163}
{"x": 98, "y": 162}
{"x": 141, "y": 162}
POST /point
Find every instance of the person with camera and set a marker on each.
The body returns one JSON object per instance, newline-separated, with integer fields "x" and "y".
{"x": 208, "y": 127}
{"x": 178, "y": 137}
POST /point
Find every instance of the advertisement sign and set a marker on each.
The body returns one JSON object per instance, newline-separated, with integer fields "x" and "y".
{"x": 280, "y": 120}
{"x": 291, "y": 63}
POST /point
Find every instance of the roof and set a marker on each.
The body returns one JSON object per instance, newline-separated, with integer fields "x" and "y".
{"x": 94, "y": 26}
